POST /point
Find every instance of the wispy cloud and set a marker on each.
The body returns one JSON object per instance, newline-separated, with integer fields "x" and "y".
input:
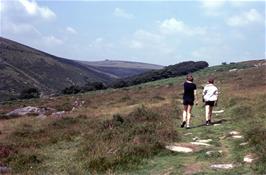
{"x": 245, "y": 18}
{"x": 122, "y": 13}
{"x": 71, "y": 30}
{"x": 174, "y": 26}
{"x": 32, "y": 8}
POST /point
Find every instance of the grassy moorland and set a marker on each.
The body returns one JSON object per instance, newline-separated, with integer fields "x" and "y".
{"x": 124, "y": 131}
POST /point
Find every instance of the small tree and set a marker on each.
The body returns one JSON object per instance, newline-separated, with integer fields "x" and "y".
{"x": 71, "y": 90}
{"x": 29, "y": 93}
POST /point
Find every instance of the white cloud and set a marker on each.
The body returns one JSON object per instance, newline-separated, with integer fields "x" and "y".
{"x": 212, "y": 4}
{"x": 32, "y": 8}
{"x": 134, "y": 44}
{"x": 71, "y": 30}
{"x": 246, "y": 18}
{"x": 122, "y": 13}
{"x": 52, "y": 40}
{"x": 173, "y": 26}
{"x": 212, "y": 7}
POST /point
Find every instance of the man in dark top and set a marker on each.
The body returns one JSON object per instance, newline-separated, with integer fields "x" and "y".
{"x": 190, "y": 94}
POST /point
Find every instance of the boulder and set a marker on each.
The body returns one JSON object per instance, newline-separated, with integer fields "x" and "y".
{"x": 222, "y": 166}
{"x": 30, "y": 110}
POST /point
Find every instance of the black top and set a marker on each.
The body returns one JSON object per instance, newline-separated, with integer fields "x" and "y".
{"x": 189, "y": 91}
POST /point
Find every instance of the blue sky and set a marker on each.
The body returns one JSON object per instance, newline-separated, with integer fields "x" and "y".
{"x": 153, "y": 31}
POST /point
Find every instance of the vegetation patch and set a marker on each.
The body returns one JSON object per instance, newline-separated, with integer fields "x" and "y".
{"x": 125, "y": 141}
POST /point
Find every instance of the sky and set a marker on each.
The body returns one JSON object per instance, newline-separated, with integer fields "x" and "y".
{"x": 155, "y": 32}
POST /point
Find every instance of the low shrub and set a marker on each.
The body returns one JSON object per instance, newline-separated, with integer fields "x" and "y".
{"x": 256, "y": 136}
{"x": 29, "y": 93}
{"x": 123, "y": 142}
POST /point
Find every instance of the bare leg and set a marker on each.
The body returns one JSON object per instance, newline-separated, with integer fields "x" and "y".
{"x": 207, "y": 112}
{"x": 185, "y": 113}
{"x": 189, "y": 109}
{"x": 210, "y": 113}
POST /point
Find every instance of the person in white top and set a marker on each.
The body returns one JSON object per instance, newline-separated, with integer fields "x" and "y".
{"x": 210, "y": 97}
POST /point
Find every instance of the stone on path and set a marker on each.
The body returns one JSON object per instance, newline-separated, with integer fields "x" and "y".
{"x": 200, "y": 143}
{"x": 183, "y": 147}
{"x": 195, "y": 138}
{"x": 222, "y": 166}
{"x": 243, "y": 144}
{"x": 234, "y": 133}
{"x": 218, "y": 112}
{"x": 213, "y": 152}
{"x": 179, "y": 149}
{"x": 216, "y": 124}
{"x": 249, "y": 158}
{"x": 189, "y": 133}
{"x": 237, "y": 136}
{"x": 204, "y": 140}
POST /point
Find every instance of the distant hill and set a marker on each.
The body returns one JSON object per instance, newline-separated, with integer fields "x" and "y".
{"x": 23, "y": 67}
{"x": 167, "y": 72}
{"x": 122, "y": 69}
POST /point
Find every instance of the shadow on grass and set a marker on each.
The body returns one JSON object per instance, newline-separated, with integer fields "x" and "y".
{"x": 216, "y": 122}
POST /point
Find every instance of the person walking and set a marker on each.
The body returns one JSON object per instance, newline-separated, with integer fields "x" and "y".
{"x": 210, "y": 97}
{"x": 189, "y": 96}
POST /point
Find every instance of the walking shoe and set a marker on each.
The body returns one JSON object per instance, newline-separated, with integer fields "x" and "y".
{"x": 188, "y": 127}
{"x": 183, "y": 124}
{"x": 207, "y": 123}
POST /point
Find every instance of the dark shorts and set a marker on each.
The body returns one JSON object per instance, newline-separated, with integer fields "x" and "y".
{"x": 210, "y": 103}
{"x": 188, "y": 102}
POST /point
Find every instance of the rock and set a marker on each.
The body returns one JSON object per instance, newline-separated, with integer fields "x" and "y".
{"x": 222, "y": 166}
{"x": 189, "y": 133}
{"x": 234, "y": 133}
{"x": 243, "y": 144}
{"x": 249, "y": 158}
{"x": 204, "y": 141}
{"x": 213, "y": 152}
{"x": 4, "y": 170}
{"x": 216, "y": 124}
{"x": 58, "y": 114}
{"x": 233, "y": 70}
{"x": 179, "y": 149}
{"x": 29, "y": 110}
{"x": 200, "y": 143}
{"x": 218, "y": 112}
{"x": 42, "y": 116}
{"x": 237, "y": 136}
{"x": 195, "y": 138}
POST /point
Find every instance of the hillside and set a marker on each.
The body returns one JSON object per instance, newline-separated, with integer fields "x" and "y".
{"x": 127, "y": 131}
{"x": 178, "y": 69}
{"x": 23, "y": 67}
{"x": 122, "y": 69}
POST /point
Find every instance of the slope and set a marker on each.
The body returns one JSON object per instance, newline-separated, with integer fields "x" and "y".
{"x": 23, "y": 67}
{"x": 125, "y": 131}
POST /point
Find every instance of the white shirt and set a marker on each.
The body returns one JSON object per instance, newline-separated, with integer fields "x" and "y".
{"x": 210, "y": 92}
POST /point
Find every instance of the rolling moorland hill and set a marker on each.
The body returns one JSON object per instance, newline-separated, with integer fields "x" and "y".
{"x": 122, "y": 69}
{"x": 127, "y": 130}
{"x": 23, "y": 67}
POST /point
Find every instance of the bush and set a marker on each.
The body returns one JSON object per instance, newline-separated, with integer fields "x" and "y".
{"x": 123, "y": 142}
{"x": 71, "y": 90}
{"x": 29, "y": 93}
{"x": 256, "y": 136}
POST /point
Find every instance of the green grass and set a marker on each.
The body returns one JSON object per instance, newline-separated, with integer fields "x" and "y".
{"x": 133, "y": 142}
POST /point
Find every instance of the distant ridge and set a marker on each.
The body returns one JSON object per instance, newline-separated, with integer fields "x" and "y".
{"x": 122, "y": 69}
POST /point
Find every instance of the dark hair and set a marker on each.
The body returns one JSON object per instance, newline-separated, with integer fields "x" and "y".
{"x": 189, "y": 77}
{"x": 211, "y": 80}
